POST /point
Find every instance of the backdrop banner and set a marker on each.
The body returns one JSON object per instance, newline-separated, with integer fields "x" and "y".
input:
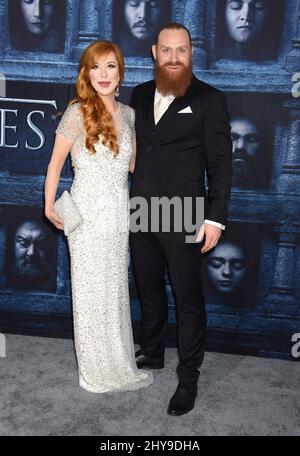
{"x": 250, "y": 278}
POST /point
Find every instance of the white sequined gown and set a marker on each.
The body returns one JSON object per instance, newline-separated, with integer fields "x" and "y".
{"x": 99, "y": 258}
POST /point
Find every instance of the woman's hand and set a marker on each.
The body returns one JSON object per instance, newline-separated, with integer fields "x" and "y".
{"x": 54, "y": 218}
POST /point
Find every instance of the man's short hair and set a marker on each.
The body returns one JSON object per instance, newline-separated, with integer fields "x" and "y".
{"x": 173, "y": 26}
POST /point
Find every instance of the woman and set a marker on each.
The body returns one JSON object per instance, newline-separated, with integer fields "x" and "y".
{"x": 230, "y": 270}
{"x": 37, "y": 25}
{"x": 100, "y": 132}
{"x": 245, "y": 29}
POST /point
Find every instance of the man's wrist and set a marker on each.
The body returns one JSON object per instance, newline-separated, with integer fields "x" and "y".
{"x": 211, "y": 222}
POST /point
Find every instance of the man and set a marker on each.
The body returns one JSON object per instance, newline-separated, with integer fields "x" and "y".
{"x": 173, "y": 148}
{"x": 142, "y": 19}
{"x": 31, "y": 263}
{"x": 246, "y": 144}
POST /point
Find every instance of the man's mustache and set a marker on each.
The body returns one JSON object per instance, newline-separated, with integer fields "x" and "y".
{"x": 170, "y": 64}
{"x": 34, "y": 262}
{"x": 142, "y": 23}
{"x": 241, "y": 154}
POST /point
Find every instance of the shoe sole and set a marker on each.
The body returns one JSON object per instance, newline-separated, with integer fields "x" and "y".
{"x": 179, "y": 414}
{"x": 150, "y": 367}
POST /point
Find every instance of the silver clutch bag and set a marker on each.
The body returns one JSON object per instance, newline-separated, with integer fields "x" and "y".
{"x": 66, "y": 208}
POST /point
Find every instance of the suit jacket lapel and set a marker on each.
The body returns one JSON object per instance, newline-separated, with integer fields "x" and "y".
{"x": 173, "y": 108}
{"x": 149, "y": 123}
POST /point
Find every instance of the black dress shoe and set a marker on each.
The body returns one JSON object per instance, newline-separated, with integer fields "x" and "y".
{"x": 183, "y": 400}
{"x": 143, "y": 361}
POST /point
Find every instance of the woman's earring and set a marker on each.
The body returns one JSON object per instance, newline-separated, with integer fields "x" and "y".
{"x": 117, "y": 91}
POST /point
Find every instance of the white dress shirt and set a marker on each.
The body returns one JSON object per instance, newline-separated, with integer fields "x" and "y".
{"x": 161, "y": 104}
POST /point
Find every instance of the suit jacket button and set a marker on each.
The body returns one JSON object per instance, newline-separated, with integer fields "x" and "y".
{"x": 149, "y": 148}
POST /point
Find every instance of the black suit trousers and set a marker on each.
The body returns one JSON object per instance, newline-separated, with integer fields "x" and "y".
{"x": 153, "y": 254}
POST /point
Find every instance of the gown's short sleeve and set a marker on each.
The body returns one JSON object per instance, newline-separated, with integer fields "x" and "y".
{"x": 69, "y": 125}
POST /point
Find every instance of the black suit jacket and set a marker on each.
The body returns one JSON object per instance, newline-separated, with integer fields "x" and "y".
{"x": 172, "y": 155}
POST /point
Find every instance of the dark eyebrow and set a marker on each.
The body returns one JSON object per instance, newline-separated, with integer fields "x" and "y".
{"x": 29, "y": 238}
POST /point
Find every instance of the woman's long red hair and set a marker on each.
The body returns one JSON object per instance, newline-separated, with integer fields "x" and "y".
{"x": 96, "y": 118}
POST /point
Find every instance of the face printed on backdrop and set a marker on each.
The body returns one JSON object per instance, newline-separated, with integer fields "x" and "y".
{"x": 246, "y": 144}
{"x": 142, "y": 18}
{"x": 226, "y": 267}
{"x": 245, "y": 19}
{"x": 30, "y": 253}
{"x": 37, "y": 15}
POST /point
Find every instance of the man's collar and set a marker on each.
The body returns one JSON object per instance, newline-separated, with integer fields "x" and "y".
{"x": 158, "y": 96}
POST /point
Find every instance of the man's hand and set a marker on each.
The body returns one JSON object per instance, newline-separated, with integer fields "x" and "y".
{"x": 212, "y": 235}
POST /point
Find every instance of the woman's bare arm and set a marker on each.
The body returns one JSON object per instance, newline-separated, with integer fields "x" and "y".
{"x": 60, "y": 152}
{"x": 132, "y": 162}
{"x": 133, "y": 155}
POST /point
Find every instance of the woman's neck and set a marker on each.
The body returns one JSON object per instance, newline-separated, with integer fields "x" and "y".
{"x": 110, "y": 103}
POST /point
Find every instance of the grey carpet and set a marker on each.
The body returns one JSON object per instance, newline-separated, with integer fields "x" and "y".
{"x": 238, "y": 395}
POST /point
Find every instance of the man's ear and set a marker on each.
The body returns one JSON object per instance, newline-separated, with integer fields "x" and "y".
{"x": 154, "y": 51}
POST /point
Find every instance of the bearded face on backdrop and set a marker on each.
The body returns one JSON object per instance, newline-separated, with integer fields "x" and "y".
{"x": 135, "y": 24}
{"x": 31, "y": 252}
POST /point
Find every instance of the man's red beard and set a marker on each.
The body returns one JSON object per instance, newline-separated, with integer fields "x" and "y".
{"x": 173, "y": 84}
